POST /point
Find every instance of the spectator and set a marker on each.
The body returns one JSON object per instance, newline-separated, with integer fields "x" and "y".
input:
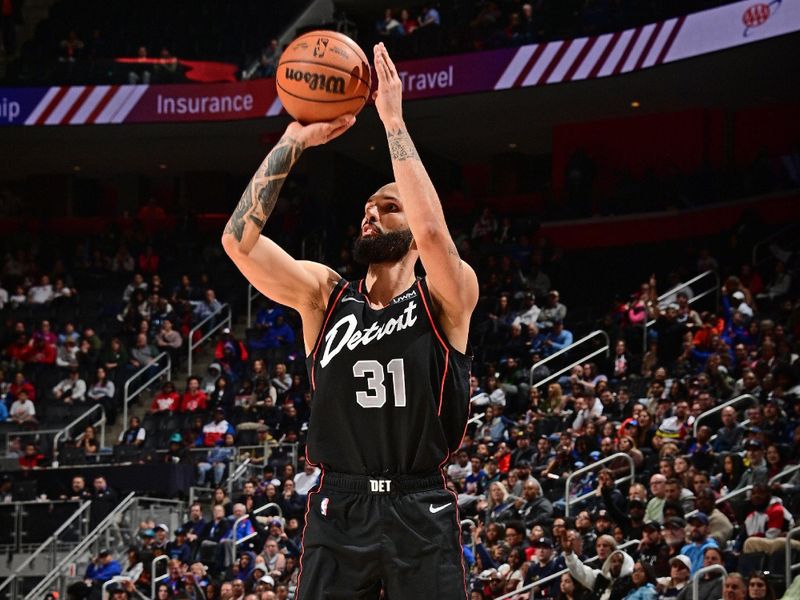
{"x": 41, "y": 294}
{"x": 102, "y": 392}
{"x": 615, "y": 573}
{"x": 100, "y": 570}
{"x": 217, "y": 461}
{"x": 720, "y": 528}
{"x": 214, "y": 431}
{"x": 143, "y": 353}
{"x": 72, "y": 389}
{"x": 756, "y": 471}
{"x": 306, "y": 480}
{"x": 766, "y": 526}
{"x": 208, "y": 306}
{"x": 655, "y": 506}
{"x": 679, "y": 576}
{"x": 31, "y": 457}
{"x": 194, "y": 399}
{"x": 134, "y": 435}
{"x": 700, "y": 540}
{"x": 557, "y": 338}
{"x": 552, "y": 311}
{"x": 23, "y": 411}
{"x": 729, "y": 436}
{"x": 734, "y": 587}
{"x": 166, "y": 401}
{"x": 759, "y": 588}
{"x": 710, "y": 584}
{"x": 169, "y": 340}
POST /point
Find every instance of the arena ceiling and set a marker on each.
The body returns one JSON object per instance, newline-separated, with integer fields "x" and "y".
{"x": 460, "y": 129}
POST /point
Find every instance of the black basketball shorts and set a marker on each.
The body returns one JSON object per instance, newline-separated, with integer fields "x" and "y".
{"x": 365, "y": 534}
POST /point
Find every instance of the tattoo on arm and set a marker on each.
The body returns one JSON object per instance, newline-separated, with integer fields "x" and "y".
{"x": 261, "y": 194}
{"x": 400, "y": 146}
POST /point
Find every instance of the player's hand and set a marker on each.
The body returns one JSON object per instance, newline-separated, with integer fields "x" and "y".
{"x": 316, "y": 134}
{"x": 389, "y": 97}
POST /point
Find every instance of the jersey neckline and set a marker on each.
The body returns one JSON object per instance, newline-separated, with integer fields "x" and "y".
{"x": 391, "y": 303}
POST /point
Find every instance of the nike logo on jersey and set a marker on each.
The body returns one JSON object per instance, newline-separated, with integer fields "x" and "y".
{"x": 343, "y": 333}
{"x": 436, "y": 509}
{"x": 351, "y": 299}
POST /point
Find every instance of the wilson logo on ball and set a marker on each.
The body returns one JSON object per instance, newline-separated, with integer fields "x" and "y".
{"x": 316, "y": 81}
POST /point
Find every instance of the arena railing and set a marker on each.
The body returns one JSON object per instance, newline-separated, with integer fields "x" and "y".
{"x": 716, "y": 409}
{"x": 778, "y": 235}
{"x": 559, "y": 574}
{"x": 80, "y": 420}
{"x": 221, "y": 318}
{"x": 252, "y": 294}
{"x": 160, "y": 370}
{"x": 695, "y": 297}
{"x": 789, "y": 567}
{"x": 60, "y": 572}
{"x": 592, "y": 467}
{"x": 235, "y": 540}
{"x": 564, "y": 351}
{"x": 156, "y": 579}
{"x": 25, "y": 433}
{"x": 76, "y": 526}
{"x": 703, "y": 571}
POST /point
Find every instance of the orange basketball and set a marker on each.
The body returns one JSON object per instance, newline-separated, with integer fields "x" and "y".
{"x": 323, "y": 75}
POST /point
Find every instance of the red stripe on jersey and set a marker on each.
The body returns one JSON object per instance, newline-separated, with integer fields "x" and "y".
{"x": 305, "y": 524}
{"x": 458, "y": 528}
{"x": 442, "y": 342}
{"x": 322, "y": 335}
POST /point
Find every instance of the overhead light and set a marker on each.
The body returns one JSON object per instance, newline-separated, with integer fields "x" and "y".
{"x": 372, "y": 147}
{"x": 76, "y": 168}
{"x": 635, "y": 104}
{"x": 512, "y": 145}
{"x": 162, "y": 166}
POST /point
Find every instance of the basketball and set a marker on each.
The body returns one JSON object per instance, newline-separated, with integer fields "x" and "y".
{"x": 323, "y": 75}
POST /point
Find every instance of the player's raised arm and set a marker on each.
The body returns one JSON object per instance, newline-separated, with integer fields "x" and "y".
{"x": 298, "y": 284}
{"x": 452, "y": 282}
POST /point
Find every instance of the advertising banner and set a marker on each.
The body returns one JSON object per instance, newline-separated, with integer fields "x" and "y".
{"x": 531, "y": 65}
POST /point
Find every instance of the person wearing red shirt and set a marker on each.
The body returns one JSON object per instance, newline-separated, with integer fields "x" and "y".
{"x": 40, "y": 352}
{"x": 22, "y": 384}
{"x": 194, "y": 399}
{"x": 167, "y": 400}
{"x": 31, "y": 458}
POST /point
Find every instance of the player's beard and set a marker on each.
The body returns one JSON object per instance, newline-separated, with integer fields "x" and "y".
{"x": 388, "y": 247}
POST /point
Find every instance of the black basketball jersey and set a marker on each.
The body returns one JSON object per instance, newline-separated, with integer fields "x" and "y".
{"x": 391, "y": 395}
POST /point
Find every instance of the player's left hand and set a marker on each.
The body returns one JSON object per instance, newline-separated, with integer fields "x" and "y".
{"x": 389, "y": 96}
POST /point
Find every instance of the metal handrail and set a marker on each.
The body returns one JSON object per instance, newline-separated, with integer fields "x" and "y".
{"x": 703, "y": 571}
{"x": 195, "y": 344}
{"x": 53, "y": 539}
{"x": 787, "y": 471}
{"x": 127, "y": 396}
{"x": 109, "y": 583}
{"x": 788, "y": 553}
{"x": 476, "y": 418}
{"x": 39, "y": 590}
{"x": 559, "y": 574}
{"x": 757, "y": 246}
{"x": 235, "y": 540}
{"x": 606, "y": 349}
{"x": 153, "y": 579}
{"x": 692, "y": 300}
{"x": 65, "y": 431}
{"x": 725, "y": 498}
{"x": 592, "y": 467}
{"x": 23, "y": 433}
{"x": 237, "y": 473}
{"x": 250, "y": 297}
{"x": 719, "y": 408}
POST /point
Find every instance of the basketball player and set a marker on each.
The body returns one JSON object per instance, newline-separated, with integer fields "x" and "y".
{"x": 388, "y": 368}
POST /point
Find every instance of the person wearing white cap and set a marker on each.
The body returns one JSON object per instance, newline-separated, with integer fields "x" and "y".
{"x": 738, "y": 302}
{"x": 679, "y": 568}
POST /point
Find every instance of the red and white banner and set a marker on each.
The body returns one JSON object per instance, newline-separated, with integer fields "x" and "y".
{"x": 532, "y": 65}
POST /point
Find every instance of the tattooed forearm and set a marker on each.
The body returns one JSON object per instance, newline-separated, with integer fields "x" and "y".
{"x": 400, "y": 145}
{"x": 261, "y": 194}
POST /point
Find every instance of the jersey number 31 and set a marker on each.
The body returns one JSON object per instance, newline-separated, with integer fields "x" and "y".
{"x": 375, "y": 396}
